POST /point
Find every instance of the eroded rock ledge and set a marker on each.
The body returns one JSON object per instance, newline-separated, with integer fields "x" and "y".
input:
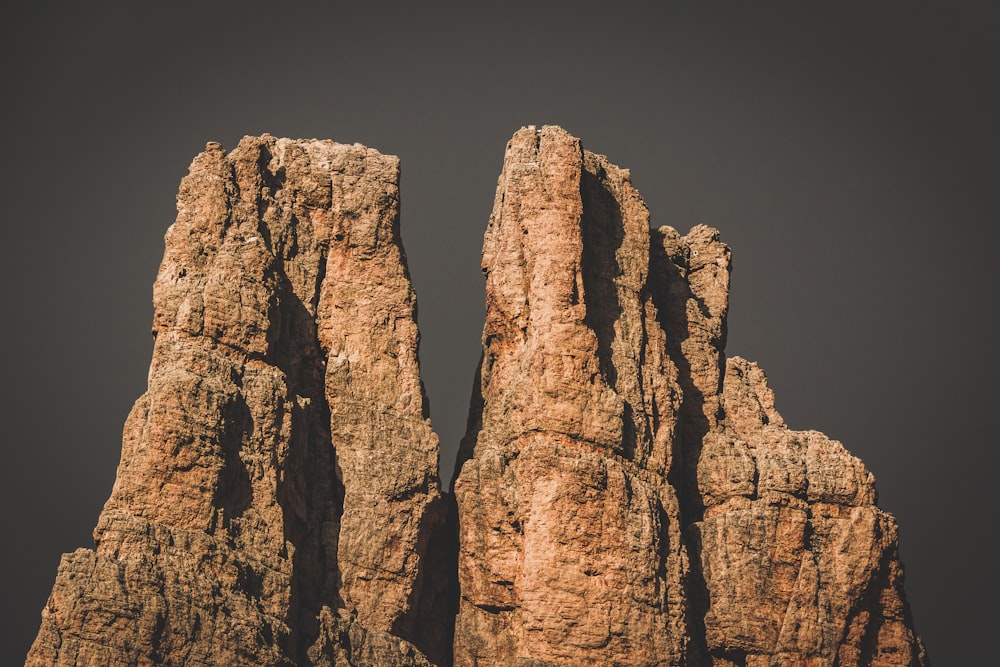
{"x": 626, "y": 495}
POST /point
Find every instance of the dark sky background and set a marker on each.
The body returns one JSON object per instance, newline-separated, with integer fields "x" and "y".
{"x": 847, "y": 152}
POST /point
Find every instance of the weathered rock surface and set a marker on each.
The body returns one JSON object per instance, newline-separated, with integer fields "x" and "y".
{"x": 627, "y": 495}
{"x": 278, "y": 487}
{"x": 570, "y": 547}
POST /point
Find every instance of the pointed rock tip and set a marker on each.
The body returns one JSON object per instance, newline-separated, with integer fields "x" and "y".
{"x": 703, "y": 231}
{"x": 698, "y": 232}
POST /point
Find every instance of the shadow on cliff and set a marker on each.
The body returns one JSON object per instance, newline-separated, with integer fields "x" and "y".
{"x": 309, "y": 493}
{"x": 670, "y": 291}
{"x": 234, "y": 493}
{"x": 603, "y": 232}
{"x": 430, "y": 621}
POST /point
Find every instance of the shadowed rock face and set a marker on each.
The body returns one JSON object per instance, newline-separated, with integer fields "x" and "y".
{"x": 626, "y": 495}
{"x": 278, "y": 484}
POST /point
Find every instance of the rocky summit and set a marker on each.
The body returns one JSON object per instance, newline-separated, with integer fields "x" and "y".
{"x": 625, "y": 494}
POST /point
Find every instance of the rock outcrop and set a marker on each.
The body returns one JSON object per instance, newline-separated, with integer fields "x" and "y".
{"x": 278, "y": 488}
{"x": 625, "y": 495}
{"x": 570, "y": 544}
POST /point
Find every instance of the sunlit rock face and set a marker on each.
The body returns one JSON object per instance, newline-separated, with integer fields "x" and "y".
{"x": 278, "y": 483}
{"x": 626, "y": 494}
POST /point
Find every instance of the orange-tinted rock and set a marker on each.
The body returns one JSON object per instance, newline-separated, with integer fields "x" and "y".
{"x": 570, "y": 543}
{"x": 247, "y": 521}
{"x": 627, "y": 495}
{"x": 799, "y": 565}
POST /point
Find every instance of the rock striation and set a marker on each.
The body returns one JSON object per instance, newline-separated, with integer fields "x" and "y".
{"x": 278, "y": 487}
{"x": 625, "y": 495}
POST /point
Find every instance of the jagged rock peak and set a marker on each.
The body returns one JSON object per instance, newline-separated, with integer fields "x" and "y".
{"x": 249, "y": 522}
{"x": 627, "y": 495}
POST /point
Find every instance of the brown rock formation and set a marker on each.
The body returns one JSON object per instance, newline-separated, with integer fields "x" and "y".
{"x": 627, "y": 495}
{"x": 570, "y": 547}
{"x": 248, "y": 524}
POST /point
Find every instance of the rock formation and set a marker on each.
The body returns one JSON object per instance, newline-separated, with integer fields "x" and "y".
{"x": 278, "y": 486}
{"x": 626, "y": 495}
{"x": 570, "y": 544}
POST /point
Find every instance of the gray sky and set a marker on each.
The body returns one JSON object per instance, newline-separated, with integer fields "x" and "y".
{"x": 848, "y": 155}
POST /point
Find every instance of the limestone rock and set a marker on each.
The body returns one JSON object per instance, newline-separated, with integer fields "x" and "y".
{"x": 570, "y": 546}
{"x": 799, "y": 565}
{"x": 627, "y": 495}
{"x": 248, "y": 505}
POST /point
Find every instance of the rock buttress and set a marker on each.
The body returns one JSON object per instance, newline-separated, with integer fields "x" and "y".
{"x": 277, "y": 493}
{"x": 570, "y": 544}
{"x": 792, "y": 561}
{"x": 627, "y": 495}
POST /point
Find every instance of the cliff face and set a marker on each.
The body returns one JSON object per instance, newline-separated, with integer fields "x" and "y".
{"x": 626, "y": 495}
{"x": 278, "y": 480}
{"x": 570, "y": 544}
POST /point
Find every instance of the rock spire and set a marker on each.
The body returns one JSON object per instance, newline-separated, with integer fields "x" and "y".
{"x": 625, "y": 495}
{"x": 278, "y": 484}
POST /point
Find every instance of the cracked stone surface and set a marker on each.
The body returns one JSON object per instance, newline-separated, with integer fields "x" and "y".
{"x": 626, "y": 494}
{"x": 278, "y": 483}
